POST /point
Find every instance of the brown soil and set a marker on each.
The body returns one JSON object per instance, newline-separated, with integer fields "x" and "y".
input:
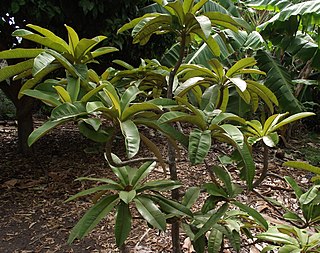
{"x": 35, "y": 218}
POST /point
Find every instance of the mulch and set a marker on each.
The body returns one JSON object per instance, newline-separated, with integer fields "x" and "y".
{"x": 35, "y": 218}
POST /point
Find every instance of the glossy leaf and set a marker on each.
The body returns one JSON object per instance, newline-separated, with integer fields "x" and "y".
{"x": 253, "y": 213}
{"x": 73, "y": 88}
{"x": 132, "y": 138}
{"x": 190, "y": 196}
{"x": 199, "y": 145}
{"x": 42, "y": 130}
{"x": 127, "y": 196}
{"x": 92, "y": 190}
{"x": 92, "y": 217}
{"x": 46, "y": 98}
{"x": 212, "y": 221}
{"x": 303, "y": 166}
{"x": 122, "y": 224}
{"x": 10, "y": 71}
{"x": 142, "y": 172}
{"x": 96, "y": 135}
{"x": 215, "y": 241}
{"x": 68, "y": 111}
{"x": 160, "y": 185}
{"x": 150, "y": 212}
{"x": 20, "y": 53}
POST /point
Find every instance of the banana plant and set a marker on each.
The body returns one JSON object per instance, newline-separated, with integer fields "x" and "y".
{"x": 215, "y": 223}
{"x": 129, "y": 191}
{"x": 56, "y": 53}
{"x": 218, "y": 82}
{"x": 267, "y": 133}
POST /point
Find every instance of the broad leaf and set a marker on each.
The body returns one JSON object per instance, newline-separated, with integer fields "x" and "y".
{"x": 215, "y": 241}
{"x": 127, "y": 196}
{"x": 123, "y": 223}
{"x": 253, "y": 213}
{"x": 142, "y": 172}
{"x": 212, "y": 220}
{"x": 20, "y": 53}
{"x": 150, "y": 212}
{"x": 303, "y": 166}
{"x": 199, "y": 145}
{"x": 92, "y": 217}
{"x": 132, "y": 138}
{"x": 190, "y": 196}
{"x": 42, "y": 130}
{"x": 10, "y": 71}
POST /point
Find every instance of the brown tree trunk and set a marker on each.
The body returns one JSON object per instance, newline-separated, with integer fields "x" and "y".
{"x": 25, "y": 124}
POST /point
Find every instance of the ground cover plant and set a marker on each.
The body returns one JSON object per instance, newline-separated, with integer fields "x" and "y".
{"x": 192, "y": 106}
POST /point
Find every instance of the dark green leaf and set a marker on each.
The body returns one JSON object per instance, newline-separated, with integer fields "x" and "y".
{"x": 123, "y": 223}
{"x": 92, "y": 217}
{"x": 150, "y": 212}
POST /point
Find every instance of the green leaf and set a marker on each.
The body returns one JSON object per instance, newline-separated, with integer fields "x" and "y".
{"x": 303, "y": 166}
{"x": 68, "y": 111}
{"x": 253, "y": 213}
{"x": 215, "y": 190}
{"x": 160, "y": 185}
{"x": 211, "y": 43}
{"x": 215, "y": 241}
{"x": 199, "y": 145}
{"x": 50, "y": 35}
{"x": 274, "y": 236}
{"x": 88, "y": 131}
{"x": 310, "y": 195}
{"x": 102, "y": 51}
{"x": 46, "y": 98}
{"x": 20, "y": 53}
{"x": 271, "y": 140}
{"x": 142, "y": 172}
{"x": 292, "y": 217}
{"x": 42, "y": 61}
{"x": 42, "y": 130}
{"x": 297, "y": 190}
{"x": 132, "y": 138}
{"x": 136, "y": 108}
{"x": 92, "y": 92}
{"x": 205, "y": 24}
{"x": 212, "y": 220}
{"x": 291, "y": 119}
{"x": 73, "y": 39}
{"x": 92, "y": 217}
{"x": 127, "y": 196}
{"x": 73, "y": 87}
{"x": 225, "y": 177}
{"x": 93, "y": 190}
{"x": 85, "y": 45}
{"x": 123, "y": 223}
{"x": 30, "y": 83}
{"x": 65, "y": 63}
{"x": 239, "y": 65}
{"x": 150, "y": 212}
{"x": 170, "y": 206}
{"x": 45, "y": 41}
{"x": 10, "y": 71}
{"x": 237, "y": 138}
{"x": 278, "y": 81}
{"x": 191, "y": 196}
{"x": 174, "y": 116}
{"x": 94, "y": 122}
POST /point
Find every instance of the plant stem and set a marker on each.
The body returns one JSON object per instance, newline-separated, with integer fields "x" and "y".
{"x": 175, "y": 228}
{"x": 265, "y": 166}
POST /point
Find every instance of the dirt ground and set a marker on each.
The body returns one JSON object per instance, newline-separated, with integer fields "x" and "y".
{"x": 35, "y": 218}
